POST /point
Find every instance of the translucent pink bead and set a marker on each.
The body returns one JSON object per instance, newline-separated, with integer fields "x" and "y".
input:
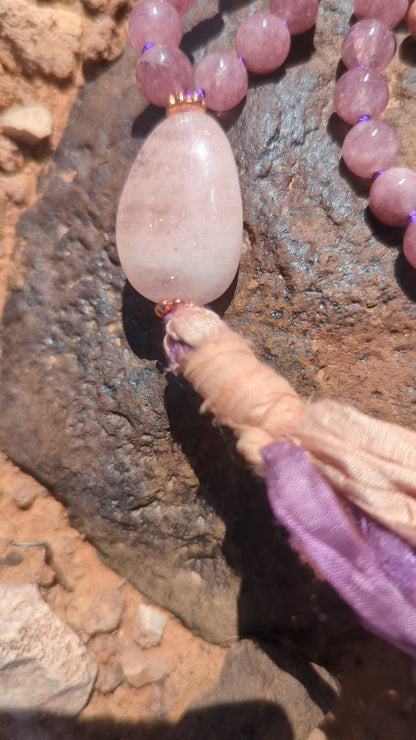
{"x": 181, "y": 5}
{"x": 358, "y": 92}
{"x": 223, "y": 78}
{"x": 263, "y": 41}
{"x": 300, "y": 15}
{"x": 163, "y": 71}
{"x": 369, "y": 147}
{"x": 390, "y": 12}
{"x": 409, "y": 244}
{"x": 180, "y": 218}
{"x": 156, "y": 21}
{"x": 369, "y": 43}
{"x": 393, "y": 196}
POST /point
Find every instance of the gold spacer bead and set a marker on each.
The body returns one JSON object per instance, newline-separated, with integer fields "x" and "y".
{"x": 185, "y": 101}
{"x": 163, "y": 307}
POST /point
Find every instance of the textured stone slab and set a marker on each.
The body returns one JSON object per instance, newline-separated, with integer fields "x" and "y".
{"x": 321, "y": 292}
{"x": 263, "y": 693}
{"x": 44, "y": 666}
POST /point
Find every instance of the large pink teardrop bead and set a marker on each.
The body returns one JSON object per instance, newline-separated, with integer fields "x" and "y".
{"x": 179, "y": 221}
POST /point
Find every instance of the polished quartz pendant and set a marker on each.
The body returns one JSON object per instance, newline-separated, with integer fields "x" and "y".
{"x": 179, "y": 221}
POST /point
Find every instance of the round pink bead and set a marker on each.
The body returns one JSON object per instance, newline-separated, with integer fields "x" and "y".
{"x": 163, "y": 71}
{"x": 369, "y": 43}
{"x": 390, "y": 12}
{"x": 300, "y": 15}
{"x": 223, "y": 78}
{"x": 263, "y": 41}
{"x": 409, "y": 244}
{"x": 393, "y": 196}
{"x": 360, "y": 92}
{"x": 369, "y": 147}
{"x": 181, "y": 5}
{"x": 156, "y": 21}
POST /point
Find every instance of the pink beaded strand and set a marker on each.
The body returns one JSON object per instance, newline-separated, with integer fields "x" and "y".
{"x": 300, "y": 15}
{"x": 368, "y": 43}
{"x": 359, "y": 92}
{"x": 262, "y": 45}
{"x": 370, "y": 148}
{"x": 263, "y": 41}
{"x": 163, "y": 71}
{"x": 223, "y": 78}
{"x": 390, "y": 12}
{"x": 156, "y": 21}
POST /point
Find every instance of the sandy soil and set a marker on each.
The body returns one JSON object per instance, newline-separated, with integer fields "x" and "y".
{"x": 69, "y": 583}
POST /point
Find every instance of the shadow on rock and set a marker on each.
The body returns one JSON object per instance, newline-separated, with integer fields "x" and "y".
{"x": 255, "y": 720}
{"x": 278, "y": 594}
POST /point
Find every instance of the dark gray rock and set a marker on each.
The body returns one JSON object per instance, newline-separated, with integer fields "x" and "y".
{"x": 263, "y": 693}
{"x": 321, "y": 293}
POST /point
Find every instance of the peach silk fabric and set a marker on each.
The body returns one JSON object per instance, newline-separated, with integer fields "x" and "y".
{"x": 370, "y": 462}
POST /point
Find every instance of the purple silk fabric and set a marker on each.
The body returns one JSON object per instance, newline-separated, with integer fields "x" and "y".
{"x": 370, "y": 567}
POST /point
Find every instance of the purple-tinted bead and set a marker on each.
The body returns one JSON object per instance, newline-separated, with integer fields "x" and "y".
{"x": 181, "y": 5}
{"x": 409, "y": 244}
{"x": 370, "y": 44}
{"x": 163, "y": 71}
{"x": 393, "y": 196}
{"x": 223, "y": 78}
{"x": 360, "y": 91}
{"x": 299, "y": 15}
{"x": 369, "y": 147}
{"x": 156, "y": 21}
{"x": 389, "y": 12}
{"x": 263, "y": 41}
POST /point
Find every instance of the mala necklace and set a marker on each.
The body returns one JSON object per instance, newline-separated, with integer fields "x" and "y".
{"x": 342, "y": 483}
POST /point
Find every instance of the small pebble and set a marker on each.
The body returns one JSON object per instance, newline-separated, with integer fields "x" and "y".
{"x": 105, "y": 612}
{"x": 11, "y": 158}
{"x": 103, "y": 647}
{"x": 109, "y": 677}
{"x": 139, "y": 668}
{"x": 17, "y": 190}
{"x": 148, "y": 626}
{"x": 29, "y": 124}
{"x": 24, "y": 492}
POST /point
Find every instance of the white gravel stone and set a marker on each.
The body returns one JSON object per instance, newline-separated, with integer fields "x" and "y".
{"x": 148, "y": 626}
{"x": 44, "y": 666}
{"x": 29, "y": 124}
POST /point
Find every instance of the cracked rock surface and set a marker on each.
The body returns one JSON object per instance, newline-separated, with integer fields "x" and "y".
{"x": 322, "y": 292}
